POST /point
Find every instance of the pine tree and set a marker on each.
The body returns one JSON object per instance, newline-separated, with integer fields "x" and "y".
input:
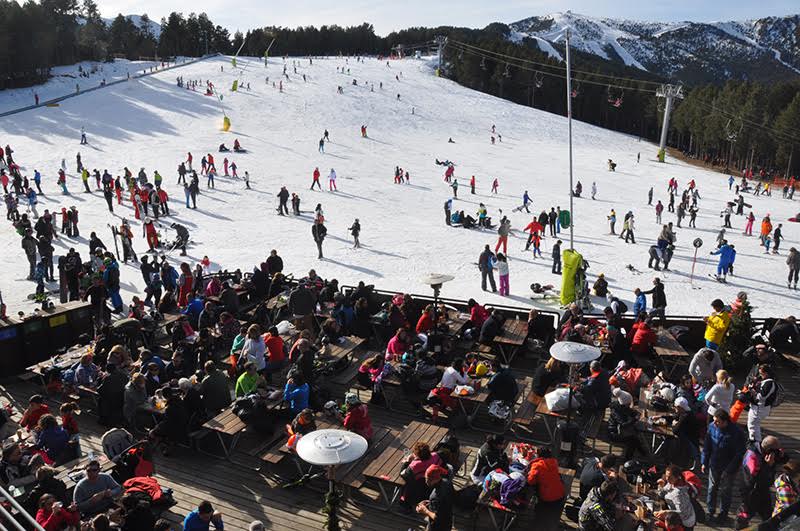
{"x": 737, "y": 340}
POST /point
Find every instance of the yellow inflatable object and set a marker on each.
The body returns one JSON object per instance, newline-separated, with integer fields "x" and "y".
{"x": 572, "y": 261}
{"x": 226, "y": 124}
{"x": 235, "y": 85}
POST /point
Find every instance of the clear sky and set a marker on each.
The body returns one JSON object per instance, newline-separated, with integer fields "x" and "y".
{"x": 387, "y": 16}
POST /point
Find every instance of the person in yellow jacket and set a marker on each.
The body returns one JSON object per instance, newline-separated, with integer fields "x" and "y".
{"x": 716, "y": 324}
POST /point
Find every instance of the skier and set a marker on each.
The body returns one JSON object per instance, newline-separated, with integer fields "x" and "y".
{"x": 332, "y": 181}
{"x": 85, "y": 179}
{"x": 650, "y": 196}
{"x": 210, "y": 178}
{"x": 315, "y": 180}
{"x": 612, "y": 220}
{"x": 777, "y": 236}
{"x": 659, "y": 210}
{"x": 111, "y": 281}
{"x": 194, "y": 189}
{"x": 295, "y": 204}
{"x": 126, "y": 235}
{"x": 321, "y": 145}
{"x": 189, "y": 159}
{"x": 502, "y": 235}
{"x": 37, "y": 180}
{"x": 318, "y": 232}
{"x": 118, "y": 190}
{"x": 693, "y": 217}
{"x": 552, "y": 219}
{"x": 485, "y": 265}
{"x": 727, "y": 215}
{"x": 628, "y": 228}
{"x": 454, "y": 186}
{"x": 247, "y": 179}
{"x": 150, "y": 234}
{"x": 526, "y": 200}
{"x": 83, "y": 136}
{"x": 731, "y": 180}
{"x": 727, "y": 255}
{"x": 534, "y": 227}
{"x": 557, "y": 257}
{"x": 748, "y": 228}
{"x": 681, "y": 213}
{"x": 594, "y": 190}
{"x": 448, "y": 207}
{"x": 766, "y": 228}
{"x": 472, "y": 184}
{"x": 495, "y": 186}
{"x": 233, "y": 170}
{"x": 355, "y": 230}
{"x": 283, "y": 196}
{"x": 73, "y": 218}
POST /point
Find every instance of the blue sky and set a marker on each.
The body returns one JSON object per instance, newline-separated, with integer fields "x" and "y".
{"x": 387, "y": 16}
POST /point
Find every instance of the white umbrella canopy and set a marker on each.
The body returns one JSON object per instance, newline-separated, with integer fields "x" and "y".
{"x": 572, "y": 352}
{"x": 331, "y": 447}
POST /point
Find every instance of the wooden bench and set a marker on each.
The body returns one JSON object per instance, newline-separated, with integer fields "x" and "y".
{"x": 385, "y": 469}
{"x": 525, "y": 417}
{"x": 510, "y": 515}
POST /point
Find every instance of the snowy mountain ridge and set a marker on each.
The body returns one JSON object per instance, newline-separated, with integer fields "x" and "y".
{"x": 766, "y": 48}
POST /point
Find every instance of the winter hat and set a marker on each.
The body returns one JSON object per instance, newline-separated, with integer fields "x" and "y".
{"x": 435, "y": 472}
{"x": 351, "y": 399}
{"x": 682, "y": 403}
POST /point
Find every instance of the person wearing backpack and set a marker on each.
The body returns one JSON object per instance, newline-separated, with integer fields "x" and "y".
{"x": 764, "y": 396}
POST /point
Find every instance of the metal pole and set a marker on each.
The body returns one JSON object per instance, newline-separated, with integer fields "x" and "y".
{"x": 665, "y": 125}
{"x": 10, "y": 499}
{"x": 569, "y": 123}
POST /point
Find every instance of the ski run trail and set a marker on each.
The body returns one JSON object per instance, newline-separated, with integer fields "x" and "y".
{"x": 152, "y": 123}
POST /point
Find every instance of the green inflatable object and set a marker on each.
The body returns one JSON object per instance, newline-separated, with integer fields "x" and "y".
{"x": 572, "y": 261}
{"x": 564, "y": 219}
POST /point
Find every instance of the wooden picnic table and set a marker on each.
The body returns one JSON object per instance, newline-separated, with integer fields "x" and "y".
{"x": 61, "y": 361}
{"x": 227, "y": 425}
{"x": 471, "y": 404}
{"x": 72, "y": 472}
{"x": 646, "y": 426}
{"x": 513, "y": 337}
{"x": 385, "y": 469}
{"x": 342, "y": 349}
{"x": 671, "y": 353}
{"x": 456, "y": 321}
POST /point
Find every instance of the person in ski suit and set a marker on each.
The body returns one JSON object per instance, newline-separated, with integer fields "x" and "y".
{"x": 315, "y": 180}
{"x": 150, "y": 234}
{"x": 502, "y": 235}
{"x": 194, "y": 189}
{"x": 726, "y": 257}
{"x": 332, "y": 181}
{"x": 37, "y": 180}
{"x": 557, "y": 257}
{"x": 118, "y": 190}
{"x": 448, "y": 212}
{"x": 526, "y": 200}
{"x": 126, "y": 235}
{"x": 355, "y": 230}
{"x": 295, "y": 204}
{"x": 111, "y": 281}
{"x": 181, "y": 239}
{"x": 454, "y": 186}
{"x": 793, "y": 262}
{"x": 283, "y": 196}
{"x": 85, "y": 179}
{"x": 163, "y": 198}
{"x": 472, "y": 184}
{"x": 659, "y": 210}
{"x": 495, "y": 186}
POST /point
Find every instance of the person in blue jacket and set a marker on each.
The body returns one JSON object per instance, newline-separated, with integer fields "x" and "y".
{"x": 526, "y": 200}
{"x": 202, "y": 518}
{"x": 640, "y": 304}
{"x": 37, "y": 180}
{"x": 296, "y": 394}
{"x": 727, "y": 255}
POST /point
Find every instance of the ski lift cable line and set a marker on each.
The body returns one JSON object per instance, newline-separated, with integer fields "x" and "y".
{"x": 557, "y": 67}
{"x": 564, "y": 76}
{"x": 777, "y": 134}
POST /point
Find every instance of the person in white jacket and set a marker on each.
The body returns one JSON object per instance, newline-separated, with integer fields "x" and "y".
{"x": 501, "y": 264}
{"x": 675, "y": 491}
{"x": 332, "y": 181}
{"x": 720, "y": 396}
{"x": 704, "y": 365}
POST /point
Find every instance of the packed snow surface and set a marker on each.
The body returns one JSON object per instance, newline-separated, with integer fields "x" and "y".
{"x": 152, "y": 123}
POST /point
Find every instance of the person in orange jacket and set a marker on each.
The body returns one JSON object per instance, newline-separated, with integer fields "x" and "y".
{"x": 544, "y": 476}
{"x": 766, "y": 228}
{"x": 533, "y": 227}
{"x": 644, "y": 337}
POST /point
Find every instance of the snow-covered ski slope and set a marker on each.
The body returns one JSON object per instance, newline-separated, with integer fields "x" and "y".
{"x": 152, "y": 123}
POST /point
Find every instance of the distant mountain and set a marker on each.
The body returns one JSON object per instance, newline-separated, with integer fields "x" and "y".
{"x": 766, "y": 49}
{"x": 155, "y": 27}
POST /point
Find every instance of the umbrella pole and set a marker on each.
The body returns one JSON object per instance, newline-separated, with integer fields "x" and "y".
{"x": 331, "y": 502}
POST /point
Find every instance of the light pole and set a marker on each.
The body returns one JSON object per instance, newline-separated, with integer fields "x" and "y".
{"x": 569, "y": 125}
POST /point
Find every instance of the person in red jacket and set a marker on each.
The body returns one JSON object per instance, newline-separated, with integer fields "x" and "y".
{"x": 543, "y": 474}
{"x": 163, "y": 198}
{"x": 644, "y": 337}
{"x": 36, "y": 409}
{"x": 425, "y": 322}
{"x": 150, "y": 234}
{"x": 315, "y": 182}
{"x": 534, "y": 227}
{"x": 185, "y": 283}
{"x": 53, "y": 517}
{"x": 276, "y": 355}
{"x": 356, "y": 418}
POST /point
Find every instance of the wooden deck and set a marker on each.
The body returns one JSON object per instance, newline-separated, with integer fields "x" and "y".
{"x": 244, "y": 490}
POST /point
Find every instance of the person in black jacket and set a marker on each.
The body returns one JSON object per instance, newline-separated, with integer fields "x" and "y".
{"x": 493, "y": 326}
{"x": 274, "y": 262}
{"x": 595, "y": 391}
{"x": 622, "y": 425}
{"x": 547, "y": 375}
{"x": 318, "y": 231}
{"x": 785, "y": 336}
{"x": 95, "y": 243}
{"x": 175, "y": 423}
{"x": 491, "y": 456}
{"x": 659, "y": 300}
{"x": 111, "y": 396}
{"x": 283, "y": 196}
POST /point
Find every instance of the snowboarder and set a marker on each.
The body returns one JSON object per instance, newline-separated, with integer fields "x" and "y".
{"x": 315, "y": 180}
{"x": 318, "y": 232}
{"x": 355, "y": 230}
{"x": 126, "y": 235}
{"x": 332, "y": 181}
{"x": 181, "y": 238}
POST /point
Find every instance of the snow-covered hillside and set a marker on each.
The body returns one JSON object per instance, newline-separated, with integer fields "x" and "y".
{"x": 766, "y": 48}
{"x": 152, "y": 123}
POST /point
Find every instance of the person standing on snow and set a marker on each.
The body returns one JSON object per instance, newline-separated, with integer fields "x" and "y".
{"x": 726, "y": 257}
{"x": 650, "y": 196}
{"x": 332, "y": 181}
{"x": 526, "y": 200}
{"x": 612, "y": 220}
{"x": 552, "y": 217}
{"x": 495, "y": 186}
{"x": 454, "y": 186}
{"x": 448, "y": 211}
{"x": 502, "y": 235}
{"x": 659, "y": 210}
{"x": 315, "y": 180}
{"x": 594, "y": 189}
{"x": 748, "y": 228}
{"x": 150, "y": 234}
{"x": 283, "y": 196}
{"x": 321, "y": 145}
{"x": 318, "y": 231}
{"x": 355, "y": 230}
{"x": 777, "y": 236}
{"x": 472, "y": 184}
{"x": 486, "y": 267}
{"x": 557, "y": 257}
{"x": 194, "y": 189}
{"x": 126, "y": 235}
{"x": 793, "y": 261}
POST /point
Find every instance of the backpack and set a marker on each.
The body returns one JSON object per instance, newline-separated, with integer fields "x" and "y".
{"x": 622, "y": 308}
{"x": 777, "y": 396}
{"x": 408, "y": 378}
{"x": 426, "y": 375}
